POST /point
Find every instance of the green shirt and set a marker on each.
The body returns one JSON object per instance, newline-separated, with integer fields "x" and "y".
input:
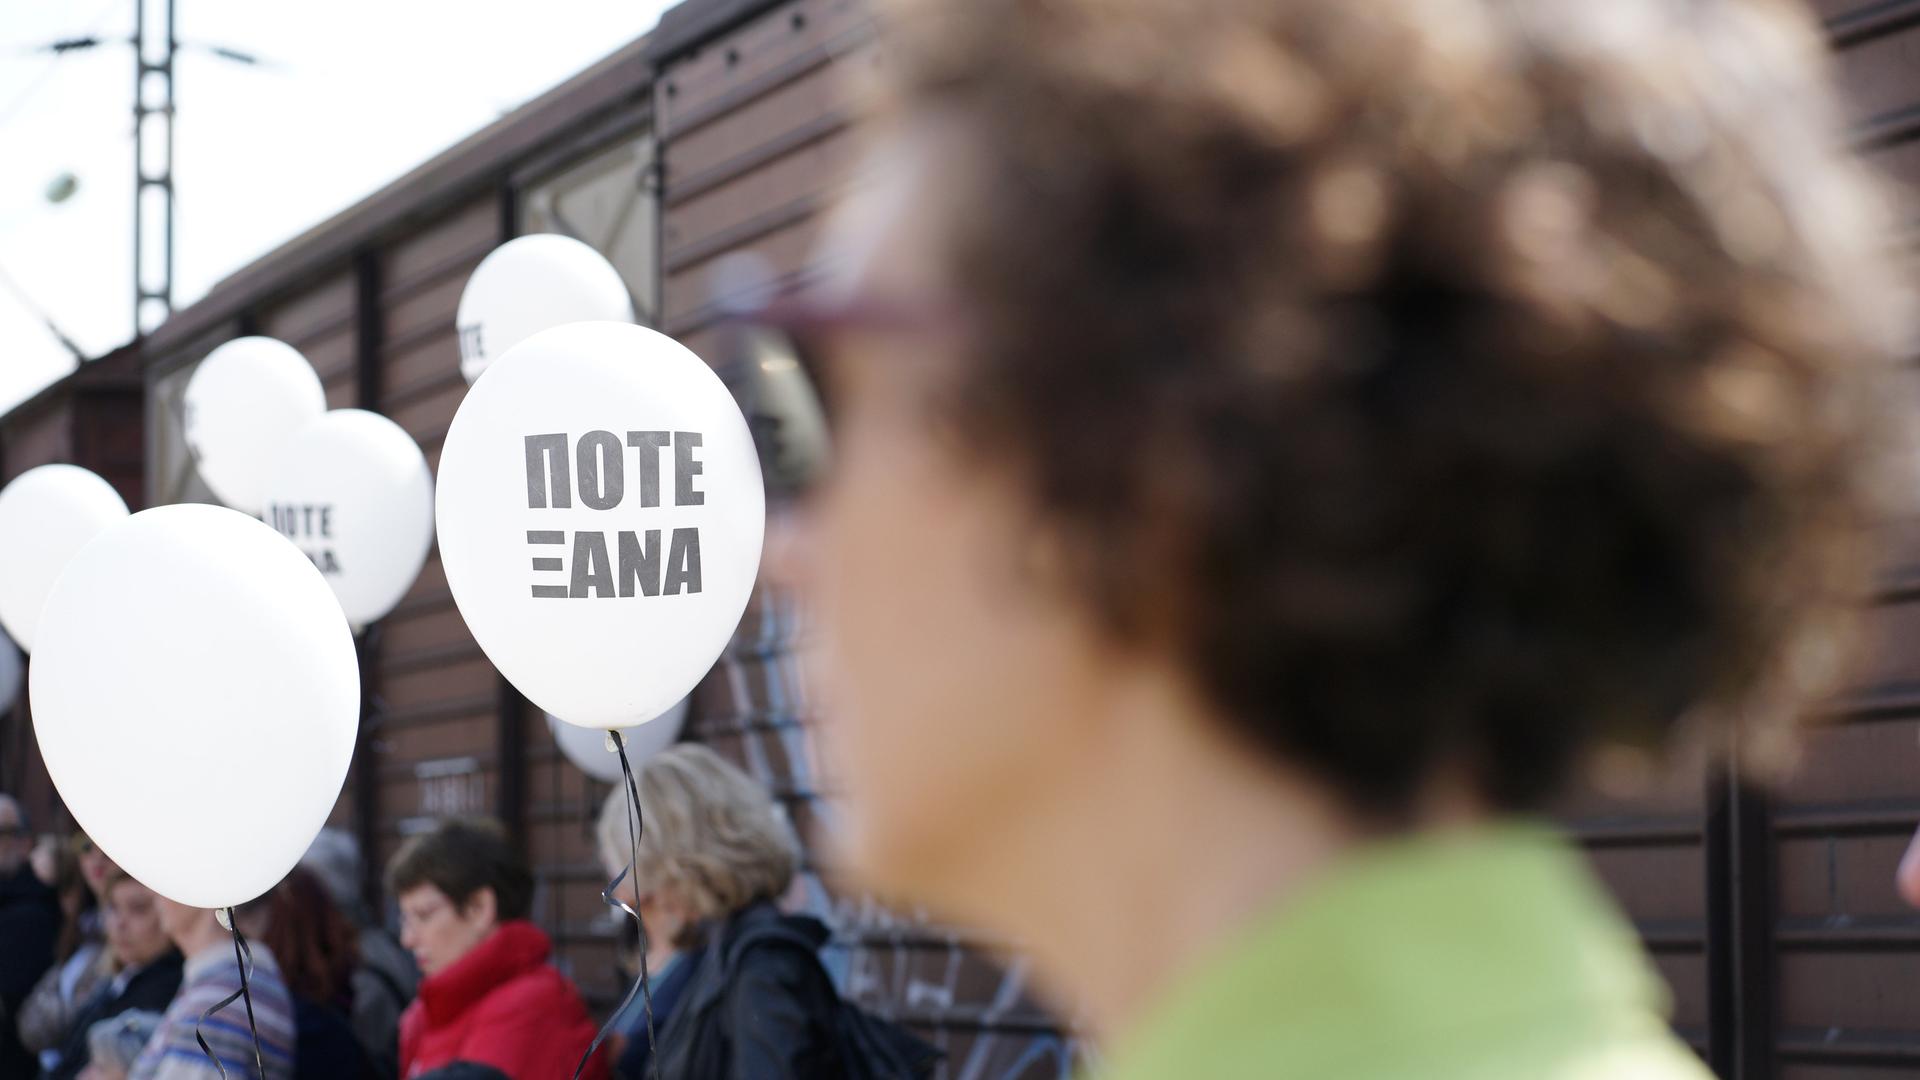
{"x": 1490, "y": 954}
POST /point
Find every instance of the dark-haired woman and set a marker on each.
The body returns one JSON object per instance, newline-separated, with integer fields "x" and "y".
{"x": 488, "y": 996}
{"x": 317, "y": 949}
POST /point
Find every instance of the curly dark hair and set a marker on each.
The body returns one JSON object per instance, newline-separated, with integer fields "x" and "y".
{"x": 1451, "y": 386}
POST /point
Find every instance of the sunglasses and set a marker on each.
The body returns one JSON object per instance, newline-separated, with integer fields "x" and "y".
{"x": 774, "y": 362}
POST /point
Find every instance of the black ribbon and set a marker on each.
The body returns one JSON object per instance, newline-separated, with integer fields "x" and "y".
{"x": 243, "y": 959}
{"x": 636, "y": 827}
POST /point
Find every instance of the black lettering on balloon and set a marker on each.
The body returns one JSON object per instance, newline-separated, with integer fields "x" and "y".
{"x": 602, "y": 470}
{"x": 591, "y": 569}
{"x": 685, "y": 468}
{"x": 472, "y": 345}
{"x": 683, "y": 562}
{"x": 640, "y": 563}
{"x": 635, "y": 566}
{"x": 649, "y": 444}
{"x": 553, "y": 477}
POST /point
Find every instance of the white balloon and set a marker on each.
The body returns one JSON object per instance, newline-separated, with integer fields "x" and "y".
{"x": 600, "y": 515}
{"x": 46, "y": 515}
{"x": 196, "y": 697}
{"x": 354, "y": 492}
{"x": 587, "y": 747}
{"x": 534, "y": 283}
{"x": 245, "y": 403}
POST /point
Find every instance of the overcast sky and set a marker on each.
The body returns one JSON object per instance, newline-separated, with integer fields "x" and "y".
{"x": 358, "y": 92}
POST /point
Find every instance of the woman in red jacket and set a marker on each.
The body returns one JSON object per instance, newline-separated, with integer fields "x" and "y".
{"x": 489, "y": 997}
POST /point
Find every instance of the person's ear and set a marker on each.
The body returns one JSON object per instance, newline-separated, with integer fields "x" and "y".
{"x": 482, "y": 908}
{"x": 675, "y": 905}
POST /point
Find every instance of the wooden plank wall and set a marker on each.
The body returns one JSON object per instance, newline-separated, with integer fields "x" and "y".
{"x": 434, "y": 751}
{"x": 1847, "y": 950}
{"x": 753, "y": 130}
{"x": 96, "y": 419}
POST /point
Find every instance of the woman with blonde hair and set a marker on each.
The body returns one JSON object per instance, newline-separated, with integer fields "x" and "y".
{"x": 745, "y": 995}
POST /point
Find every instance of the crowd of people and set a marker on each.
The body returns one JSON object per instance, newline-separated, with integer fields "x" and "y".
{"x": 105, "y": 980}
{"x": 1276, "y": 447}
{"x": 101, "y": 978}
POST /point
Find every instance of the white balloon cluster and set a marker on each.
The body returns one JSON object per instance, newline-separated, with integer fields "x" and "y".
{"x": 195, "y": 685}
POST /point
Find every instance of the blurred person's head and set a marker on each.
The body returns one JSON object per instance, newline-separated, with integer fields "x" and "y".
{"x": 1341, "y": 416}
{"x": 455, "y": 885}
{"x": 57, "y": 864}
{"x": 713, "y": 842}
{"x": 115, "y": 1043}
{"x": 46, "y": 860}
{"x": 95, "y": 867}
{"x": 135, "y": 930}
{"x": 191, "y": 929}
{"x": 334, "y": 859}
{"x": 316, "y": 945}
{"x": 16, "y": 837}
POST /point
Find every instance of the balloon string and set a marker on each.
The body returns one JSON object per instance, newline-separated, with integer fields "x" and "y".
{"x": 242, "y": 959}
{"x": 636, "y": 827}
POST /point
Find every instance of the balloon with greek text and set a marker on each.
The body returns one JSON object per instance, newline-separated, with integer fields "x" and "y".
{"x": 533, "y": 283}
{"x": 600, "y": 515}
{"x": 47, "y": 514}
{"x": 243, "y": 406}
{"x": 354, "y": 492}
{"x": 196, "y": 696}
{"x": 590, "y": 752}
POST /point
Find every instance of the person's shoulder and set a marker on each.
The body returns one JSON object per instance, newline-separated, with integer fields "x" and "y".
{"x": 412, "y": 1020}
{"x": 765, "y": 942}
{"x": 542, "y": 989}
{"x": 761, "y": 926}
{"x": 783, "y": 961}
{"x": 1659, "y": 1056}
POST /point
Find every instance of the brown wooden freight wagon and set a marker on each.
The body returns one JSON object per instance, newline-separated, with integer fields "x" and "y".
{"x": 1772, "y": 916}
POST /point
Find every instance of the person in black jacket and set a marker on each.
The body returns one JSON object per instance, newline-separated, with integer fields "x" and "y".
{"x": 149, "y": 975}
{"x": 29, "y": 924}
{"x": 714, "y": 856}
{"x": 758, "y": 1005}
